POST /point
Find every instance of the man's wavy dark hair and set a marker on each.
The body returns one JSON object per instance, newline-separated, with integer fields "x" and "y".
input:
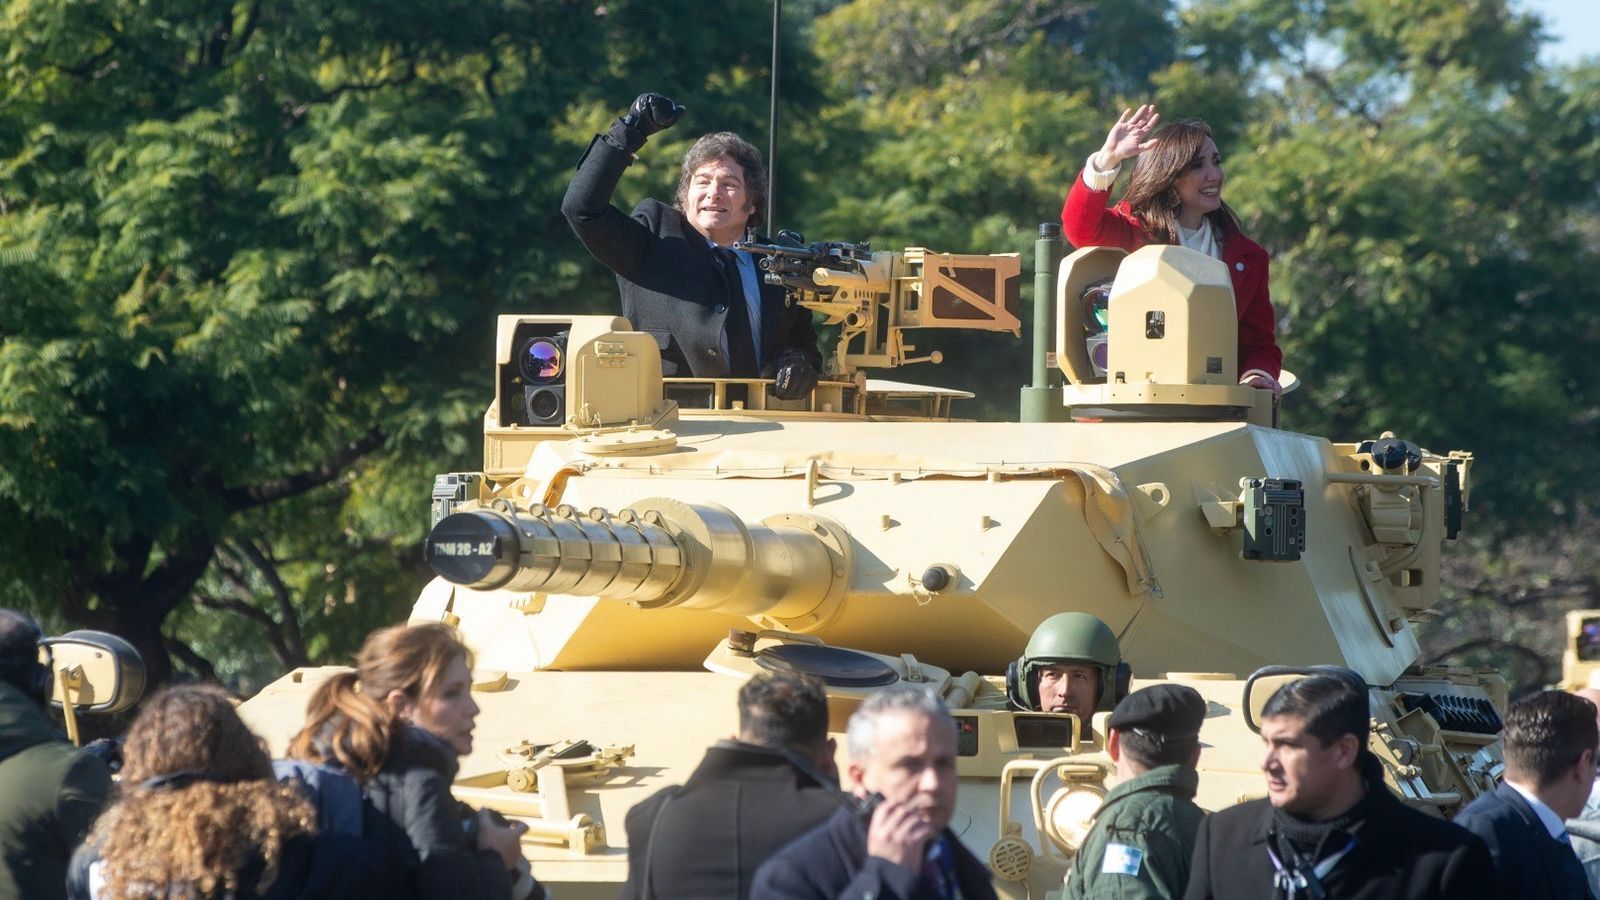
{"x": 727, "y": 145}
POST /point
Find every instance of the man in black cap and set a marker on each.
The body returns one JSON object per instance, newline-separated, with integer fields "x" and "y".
{"x": 1329, "y": 829}
{"x": 1143, "y": 835}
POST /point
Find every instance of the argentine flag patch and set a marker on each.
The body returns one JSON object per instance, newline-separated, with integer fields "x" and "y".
{"x": 1120, "y": 859}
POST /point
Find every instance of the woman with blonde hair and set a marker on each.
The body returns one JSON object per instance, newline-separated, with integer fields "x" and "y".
{"x": 201, "y": 815}
{"x": 1175, "y": 197}
{"x": 399, "y": 725}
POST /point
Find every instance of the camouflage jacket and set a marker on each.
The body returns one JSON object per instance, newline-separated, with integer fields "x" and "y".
{"x": 1142, "y": 839}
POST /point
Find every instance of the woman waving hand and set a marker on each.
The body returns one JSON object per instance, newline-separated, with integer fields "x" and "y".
{"x": 1175, "y": 197}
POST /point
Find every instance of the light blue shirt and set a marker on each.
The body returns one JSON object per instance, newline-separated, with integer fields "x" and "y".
{"x": 752, "y": 300}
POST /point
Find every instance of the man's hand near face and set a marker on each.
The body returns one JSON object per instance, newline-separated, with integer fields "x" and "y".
{"x": 899, "y": 834}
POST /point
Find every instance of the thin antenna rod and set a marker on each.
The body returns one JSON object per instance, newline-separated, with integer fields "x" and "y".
{"x": 772, "y": 126}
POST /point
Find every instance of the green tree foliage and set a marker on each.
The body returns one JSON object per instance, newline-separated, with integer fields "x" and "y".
{"x": 1429, "y": 193}
{"x": 250, "y": 253}
{"x": 249, "y": 259}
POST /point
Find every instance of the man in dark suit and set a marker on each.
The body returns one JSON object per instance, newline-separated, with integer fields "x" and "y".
{"x": 1328, "y": 827}
{"x": 706, "y": 304}
{"x": 747, "y": 798}
{"x": 1549, "y": 742}
{"x": 902, "y": 745}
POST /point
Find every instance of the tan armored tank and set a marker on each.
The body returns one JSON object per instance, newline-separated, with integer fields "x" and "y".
{"x": 635, "y": 547}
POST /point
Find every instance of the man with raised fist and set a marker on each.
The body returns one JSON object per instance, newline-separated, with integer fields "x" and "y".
{"x": 679, "y": 277}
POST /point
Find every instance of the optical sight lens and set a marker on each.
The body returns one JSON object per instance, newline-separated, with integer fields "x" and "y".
{"x": 1096, "y": 299}
{"x": 541, "y": 361}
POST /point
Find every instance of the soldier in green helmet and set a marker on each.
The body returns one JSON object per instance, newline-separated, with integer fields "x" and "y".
{"x": 1072, "y": 664}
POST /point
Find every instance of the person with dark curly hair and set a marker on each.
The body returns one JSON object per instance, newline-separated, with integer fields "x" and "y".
{"x": 202, "y": 816}
{"x": 399, "y": 724}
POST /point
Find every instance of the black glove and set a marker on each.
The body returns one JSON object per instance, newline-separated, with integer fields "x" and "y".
{"x": 793, "y": 376}
{"x": 650, "y": 113}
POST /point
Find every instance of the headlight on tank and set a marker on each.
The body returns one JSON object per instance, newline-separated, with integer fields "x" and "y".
{"x": 1070, "y": 813}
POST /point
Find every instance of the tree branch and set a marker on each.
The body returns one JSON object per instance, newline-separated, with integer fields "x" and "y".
{"x": 249, "y": 28}
{"x": 298, "y": 112}
{"x": 288, "y": 616}
{"x": 216, "y": 45}
{"x": 256, "y": 615}
{"x": 1540, "y": 663}
{"x": 1320, "y": 81}
{"x": 191, "y": 660}
{"x": 274, "y": 489}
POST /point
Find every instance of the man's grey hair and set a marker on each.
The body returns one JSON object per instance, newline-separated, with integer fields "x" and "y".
{"x": 862, "y": 732}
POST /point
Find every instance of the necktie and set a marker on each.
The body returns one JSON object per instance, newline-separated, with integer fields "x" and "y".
{"x": 741, "y": 343}
{"x": 938, "y": 870}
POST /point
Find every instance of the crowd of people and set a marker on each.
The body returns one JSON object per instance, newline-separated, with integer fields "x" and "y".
{"x": 362, "y": 804}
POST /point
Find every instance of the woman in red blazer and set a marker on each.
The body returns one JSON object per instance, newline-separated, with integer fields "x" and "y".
{"x": 1175, "y": 197}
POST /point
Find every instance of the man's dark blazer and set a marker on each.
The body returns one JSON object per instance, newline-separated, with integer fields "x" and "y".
{"x": 831, "y": 861}
{"x": 1400, "y": 854}
{"x": 741, "y": 804}
{"x": 1528, "y": 861}
{"x": 672, "y": 284}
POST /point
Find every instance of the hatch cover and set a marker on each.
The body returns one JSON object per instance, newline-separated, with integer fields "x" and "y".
{"x": 834, "y": 665}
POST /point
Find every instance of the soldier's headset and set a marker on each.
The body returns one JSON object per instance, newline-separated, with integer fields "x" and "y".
{"x": 1115, "y": 682}
{"x": 24, "y": 670}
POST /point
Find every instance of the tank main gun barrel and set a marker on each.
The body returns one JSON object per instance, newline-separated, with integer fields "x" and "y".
{"x": 656, "y": 554}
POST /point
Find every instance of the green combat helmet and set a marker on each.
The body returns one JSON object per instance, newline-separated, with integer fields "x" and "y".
{"x": 1070, "y": 637}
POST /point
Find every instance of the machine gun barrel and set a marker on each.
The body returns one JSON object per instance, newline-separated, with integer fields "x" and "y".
{"x": 876, "y": 297}
{"x": 656, "y": 554}
{"x": 794, "y": 267}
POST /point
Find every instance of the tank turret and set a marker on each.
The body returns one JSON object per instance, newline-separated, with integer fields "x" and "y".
{"x": 632, "y": 541}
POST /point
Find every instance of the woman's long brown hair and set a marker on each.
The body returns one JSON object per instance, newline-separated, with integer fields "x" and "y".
{"x": 348, "y": 720}
{"x": 1152, "y": 192}
{"x": 191, "y": 839}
